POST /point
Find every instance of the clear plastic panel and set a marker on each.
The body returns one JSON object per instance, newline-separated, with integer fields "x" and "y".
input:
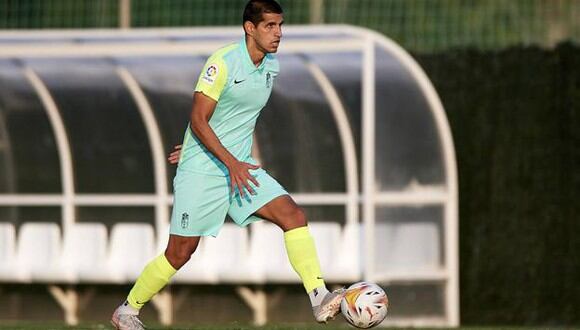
{"x": 296, "y": 133}
{"x": 110, "y": 215}
{"x": 408, "y": 239}
{"x": 110, "y": 147}
{"x": 19, "y": 215}
{"x": 326, "y": 213}
{"x": 29, "y": 160}
{"x": 408, "y": 150}
{"x": 168, "y": 84}
{"x": 344, "y": 72}
{"x": 414, "y": 301}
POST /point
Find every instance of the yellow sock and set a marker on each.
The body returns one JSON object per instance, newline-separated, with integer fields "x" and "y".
{"x": 154, "y": 277}
{"x": 302, "y": 254}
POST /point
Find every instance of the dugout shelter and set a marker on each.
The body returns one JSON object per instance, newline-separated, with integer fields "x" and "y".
{"x": 354, "y": 130}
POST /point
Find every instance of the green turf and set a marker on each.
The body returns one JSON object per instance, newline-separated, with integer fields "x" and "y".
{"x": 57, "y": 326}
{"x": 38, "y": 326}
{"x": 102, "y": 326}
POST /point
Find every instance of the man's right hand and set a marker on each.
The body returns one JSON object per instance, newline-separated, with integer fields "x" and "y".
{"x": 240, "y": 175}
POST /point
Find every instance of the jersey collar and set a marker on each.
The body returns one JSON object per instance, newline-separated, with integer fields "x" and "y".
{"x": 248, "y": 61}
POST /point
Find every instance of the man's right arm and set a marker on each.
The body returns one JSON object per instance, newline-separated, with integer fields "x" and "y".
{"x": 210, "y": 86}
{"x": 201, "y": 112}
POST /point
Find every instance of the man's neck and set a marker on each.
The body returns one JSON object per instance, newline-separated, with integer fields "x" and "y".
{"x": 256, "y": 54}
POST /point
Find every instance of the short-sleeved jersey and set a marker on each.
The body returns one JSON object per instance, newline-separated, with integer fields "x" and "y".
{"x": 241, "y": 90}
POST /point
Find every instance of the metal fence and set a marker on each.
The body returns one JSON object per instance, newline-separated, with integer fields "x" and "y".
{"x": 418, "y": 25}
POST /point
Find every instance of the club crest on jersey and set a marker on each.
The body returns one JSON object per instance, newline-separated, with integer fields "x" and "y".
{"x": 184, "y": 220}
{"x": 268, "y": 80}
{"x": 210, "y": 74}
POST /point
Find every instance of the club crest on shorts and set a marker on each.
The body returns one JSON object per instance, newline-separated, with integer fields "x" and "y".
{"x": 184, "y": 220}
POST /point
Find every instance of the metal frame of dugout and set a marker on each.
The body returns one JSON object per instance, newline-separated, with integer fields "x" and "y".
{"x": 373, "y": 193}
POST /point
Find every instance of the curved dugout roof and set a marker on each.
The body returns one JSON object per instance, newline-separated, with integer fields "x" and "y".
{"x": 87, "y": 118}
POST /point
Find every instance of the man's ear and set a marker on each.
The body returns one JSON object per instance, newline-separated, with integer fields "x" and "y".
{"x": 249, "y": 27}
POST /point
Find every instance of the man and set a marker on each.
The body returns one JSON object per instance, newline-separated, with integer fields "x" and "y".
{"x": 217, "y": 176}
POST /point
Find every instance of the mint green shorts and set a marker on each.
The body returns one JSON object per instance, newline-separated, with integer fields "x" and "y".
{"x": 201, "y": 202}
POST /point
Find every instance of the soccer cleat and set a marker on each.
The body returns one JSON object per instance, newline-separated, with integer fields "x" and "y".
{"x": 329, "y": 307}
{"x": 126, "y": 321}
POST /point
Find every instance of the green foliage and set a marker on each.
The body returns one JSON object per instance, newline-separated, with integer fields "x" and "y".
{"x": 515, "y": 118}
{"x": 39, "y": 14}
{"x": 418, "y": 25}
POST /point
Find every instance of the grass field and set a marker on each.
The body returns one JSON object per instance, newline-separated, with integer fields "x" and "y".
{"x": 41, "y": 326}
{"x": 56, "y": 326}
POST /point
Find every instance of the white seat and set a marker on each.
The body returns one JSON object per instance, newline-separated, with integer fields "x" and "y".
{"x": 327, "y": 238}
{"x": 407, "y": 246}
{"x": 230, "y": 255}
{"x": 162, "y": 239}
{"x": 40, "y": 253}
{"x": 349, "y": 264}
{"x": 10, "y": 270}
{"x": 131, "y": 248}
{"x": 269, "y": 253}
{"x": 197, "y": 270}
{"x": 85, "y": 252}
{"x": 338, "y": 250}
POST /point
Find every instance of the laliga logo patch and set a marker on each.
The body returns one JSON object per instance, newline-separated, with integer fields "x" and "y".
{"x": 211, "y": 74}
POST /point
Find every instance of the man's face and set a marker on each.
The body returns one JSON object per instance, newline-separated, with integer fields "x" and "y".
{"x": 269, "y": 32}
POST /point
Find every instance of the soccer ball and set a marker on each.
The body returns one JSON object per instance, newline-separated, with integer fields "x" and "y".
{"x": 364, "y": 305}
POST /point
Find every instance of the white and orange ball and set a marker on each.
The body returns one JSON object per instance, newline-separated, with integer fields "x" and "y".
{"x": 364, "y": 305}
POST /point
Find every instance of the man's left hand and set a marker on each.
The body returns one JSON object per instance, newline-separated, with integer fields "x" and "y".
{"x": 174, "y": 155}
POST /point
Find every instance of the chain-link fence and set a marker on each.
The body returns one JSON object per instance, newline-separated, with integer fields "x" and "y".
{"x": 419, "y": 25}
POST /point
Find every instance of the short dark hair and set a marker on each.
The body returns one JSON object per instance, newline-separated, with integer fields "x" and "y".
{"x": 255, "y": 8}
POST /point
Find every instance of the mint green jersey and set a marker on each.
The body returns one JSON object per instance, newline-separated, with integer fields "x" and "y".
{"x": 241, "y": 90}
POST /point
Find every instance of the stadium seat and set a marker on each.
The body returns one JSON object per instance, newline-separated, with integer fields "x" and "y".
{"x": 131, "y": 248}
{"x": 197, "y": 270}
{"x": 85, "y": 251}
{"x": 162, "y": 238}
{"x": 40, "y": 253}
{"x": 337, "y": 250}
{"x": 10, "y": 269}
{"x": 327, "y": 239}
{"x": 407, "y": 246}
{"x": 349, "y": 263}
{"x": 268, "y": 251}
{"x": 230, "y": 254}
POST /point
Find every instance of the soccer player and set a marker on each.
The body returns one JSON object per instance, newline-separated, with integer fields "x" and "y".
{"x": 216, "y": 174}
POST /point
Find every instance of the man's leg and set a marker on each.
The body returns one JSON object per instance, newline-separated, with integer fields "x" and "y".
{"x": 154, "y": 277}
{"x": 301, "y": 250}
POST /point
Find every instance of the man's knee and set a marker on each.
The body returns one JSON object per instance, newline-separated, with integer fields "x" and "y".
{"x": 178, "y": 257}
{"x": 182, "y": 257}
{"x": 294, "y": 217}
{"x": 300, "y": 217}
{"x": 179, "y": 253}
